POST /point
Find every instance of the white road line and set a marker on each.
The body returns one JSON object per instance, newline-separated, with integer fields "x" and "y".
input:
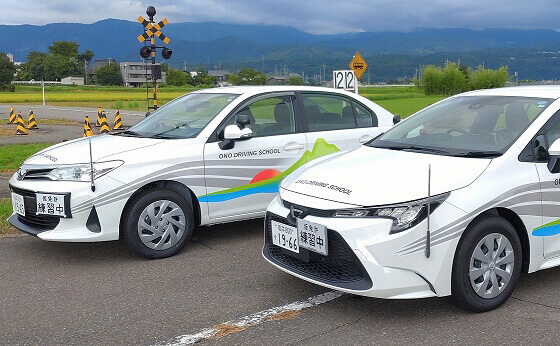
{"x": 254, "y": 319}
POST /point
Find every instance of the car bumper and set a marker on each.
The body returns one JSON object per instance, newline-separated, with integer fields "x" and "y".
{"x": 85, "y": 221}
{"x": 371, "y": 266}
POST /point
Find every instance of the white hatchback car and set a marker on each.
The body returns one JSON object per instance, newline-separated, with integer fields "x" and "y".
{"x": 211, "y": 156}
{"x": 457, "y": 200}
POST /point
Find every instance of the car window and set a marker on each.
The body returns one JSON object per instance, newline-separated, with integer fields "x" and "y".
{"x": 364, "y": 117}
{"x": 183, "y": 117}
{"x": 328, "y": 112}
{"x": 466, "y": 125}
{"x": 270, "y": 116}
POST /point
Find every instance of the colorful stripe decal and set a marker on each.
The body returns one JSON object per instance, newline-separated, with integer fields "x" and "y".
{"x": 550, "y": 229}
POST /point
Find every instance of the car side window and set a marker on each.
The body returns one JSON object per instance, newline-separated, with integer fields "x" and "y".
{"x": 364, "y": 117}
{"x": 270, "y": 116}
{"x": 328, "y": 112}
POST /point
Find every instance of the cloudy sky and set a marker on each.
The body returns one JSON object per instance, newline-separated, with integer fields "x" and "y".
{"x": 314, "y": 16}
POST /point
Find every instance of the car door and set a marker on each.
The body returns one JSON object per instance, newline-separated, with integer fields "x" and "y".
{"x": 336, "y": 122}
{"x": 549, "y": 187}
{"x": 242, "y": 181}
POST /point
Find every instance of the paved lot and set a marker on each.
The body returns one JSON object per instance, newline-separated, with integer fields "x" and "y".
{"x": 81, "y": 294}
{"x": 101, "y": 294}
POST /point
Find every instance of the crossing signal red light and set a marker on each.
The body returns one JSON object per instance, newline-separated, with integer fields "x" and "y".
{"x": 145, "y": 52}
{"x": 166, "y": 53}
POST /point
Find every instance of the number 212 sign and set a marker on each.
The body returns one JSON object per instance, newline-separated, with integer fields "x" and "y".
{"x": 345, "y": 79}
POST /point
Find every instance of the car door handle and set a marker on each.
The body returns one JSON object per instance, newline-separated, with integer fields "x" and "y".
{"x": 293, "y": 146}
{"x": 365, "y": 138}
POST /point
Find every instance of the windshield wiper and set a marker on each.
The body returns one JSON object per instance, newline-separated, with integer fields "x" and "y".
{"x": 488, "y": 153}
{"x": 424, "y": 149}
{"x": 128, "y": 132}
{"x": 176, "y": 127}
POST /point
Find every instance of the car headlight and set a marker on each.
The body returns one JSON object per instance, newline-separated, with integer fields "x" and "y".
{"x": 404, "y": 215}
{"x": 82, "y": 172}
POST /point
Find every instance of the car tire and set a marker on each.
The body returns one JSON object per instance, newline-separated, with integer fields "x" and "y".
{"x": 487, "y": 264}
{"x": 157, "y": 224}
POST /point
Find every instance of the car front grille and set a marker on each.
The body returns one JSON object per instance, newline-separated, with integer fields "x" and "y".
{"x": 339, "y": 268}
{"x": 41, "y": 222}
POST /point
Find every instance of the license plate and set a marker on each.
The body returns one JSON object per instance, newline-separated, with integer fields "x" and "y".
{"x": 312, "y": 236}
{"x": 285, "y": 236}
{"x": 50, "y": 204}
{"x": 18, "y": 204}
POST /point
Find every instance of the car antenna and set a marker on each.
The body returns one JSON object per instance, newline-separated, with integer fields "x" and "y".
{"x": 428, "y": 218}
{"x": 91, "y": 165}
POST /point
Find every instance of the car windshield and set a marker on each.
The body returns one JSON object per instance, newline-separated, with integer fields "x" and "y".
{"x": 473, "y": 126}
{"x": 184, "y": 117}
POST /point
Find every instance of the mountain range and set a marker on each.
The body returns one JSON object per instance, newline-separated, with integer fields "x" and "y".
{"x": 273, "y": 48}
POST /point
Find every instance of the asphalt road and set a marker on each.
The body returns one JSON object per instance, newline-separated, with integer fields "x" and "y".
{"x": 82, "y": 294}
{"x": 56, "y": 293}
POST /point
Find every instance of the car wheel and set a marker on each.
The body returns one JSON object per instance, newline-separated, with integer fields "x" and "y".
{"x": 487, "y": 265}
{"x": 158, "y": 224}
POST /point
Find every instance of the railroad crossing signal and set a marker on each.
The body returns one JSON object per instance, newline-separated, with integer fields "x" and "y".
{"x": 153, "y": 30}
{"x": 358, "y": 64}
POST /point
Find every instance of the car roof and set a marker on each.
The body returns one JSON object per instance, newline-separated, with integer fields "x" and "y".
{"x": 542, "y": 91}
{"x": 259, "y": 89}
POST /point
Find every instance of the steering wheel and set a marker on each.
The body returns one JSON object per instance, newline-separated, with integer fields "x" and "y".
{"x": 455, "y": 129}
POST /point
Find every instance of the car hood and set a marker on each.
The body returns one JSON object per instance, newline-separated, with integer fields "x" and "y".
{"x": 373, "y": 176}
{"x": 77, "y": 151}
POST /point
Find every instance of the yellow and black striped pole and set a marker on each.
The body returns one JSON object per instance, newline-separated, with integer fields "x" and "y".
{"x": 32, "y": 123}
{"x": 12, "y": 119}
{"x": 20, "y": 130}
{"x": 87, "y": 128}
{"x": 98, "y": 122}
{"x": 118, "y": 122}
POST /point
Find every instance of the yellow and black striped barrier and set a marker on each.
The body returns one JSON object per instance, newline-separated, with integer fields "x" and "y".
{"x": 87, "y": 128}
{"x": 99, "y": 115}
{"x": 32, "y": 122}
{"x": 104, "y": 125}
{"x": 118, "y": 122}
{"x": 12, "y": 119}
{"x": 20, "y": 130}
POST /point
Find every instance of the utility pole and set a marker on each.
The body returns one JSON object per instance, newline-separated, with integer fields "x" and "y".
{"x": 324, "y": 74}
{"x": 85, "y": 69}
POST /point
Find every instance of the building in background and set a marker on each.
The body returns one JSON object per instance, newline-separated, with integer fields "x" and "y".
{"x": 93, "y": 65}
{"x": 76, "y": 80}
{"x": 221, "y": 76}
{"x": 137, "y": 73}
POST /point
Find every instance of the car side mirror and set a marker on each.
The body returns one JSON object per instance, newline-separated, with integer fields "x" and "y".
{"x": 554, "y": 157}
{"x": 234, "y": 133}
{"x": 396, "y": 118}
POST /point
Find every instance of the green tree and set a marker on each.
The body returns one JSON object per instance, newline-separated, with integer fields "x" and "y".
{"x": 454, "y": 81}
{"x": 7, "y": 71}
{"x": 432, "y": 80}
{"x": 247, "y": 76}
{"x": 295, "y": 81}
{"x": 35, "y": 65}
{"x": 176, "y": 77}
{"x": 66, "y": 48}
{"x": 87, "y": 56}
{"x": 108, "y": 75}
{"x": 57, "y": 67}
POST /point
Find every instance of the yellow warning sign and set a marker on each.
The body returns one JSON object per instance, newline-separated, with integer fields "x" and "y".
{"x": 358, "y": 64}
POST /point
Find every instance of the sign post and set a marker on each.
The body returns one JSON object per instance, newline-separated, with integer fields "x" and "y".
{"x": 345, "y": 79}
{"x": 359, "y": 66}
{"x": 151, "y": 30}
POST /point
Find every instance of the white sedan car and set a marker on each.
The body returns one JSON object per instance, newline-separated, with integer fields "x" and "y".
{"x": 458, "y": 200}
{"x": 211, "y": 156}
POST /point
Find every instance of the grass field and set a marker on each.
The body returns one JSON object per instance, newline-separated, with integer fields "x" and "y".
{"x": 5, "y": 212}
{"x": 404, "y": 100}
{"x": 13, "y": 155}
